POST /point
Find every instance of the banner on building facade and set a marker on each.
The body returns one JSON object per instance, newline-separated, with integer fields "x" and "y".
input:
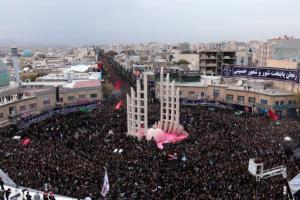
{"x": 216, "y": 104}
{"x": 37, "y": 118}
{"x": 260, "y": 72}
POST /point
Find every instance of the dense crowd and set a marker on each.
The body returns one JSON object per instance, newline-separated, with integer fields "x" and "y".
{"x": 69, "y": 153}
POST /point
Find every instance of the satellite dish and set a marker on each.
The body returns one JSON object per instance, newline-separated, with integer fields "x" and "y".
{"x": 239, "y": 83}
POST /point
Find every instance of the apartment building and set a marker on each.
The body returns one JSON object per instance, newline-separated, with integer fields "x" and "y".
{"x": 284, "y": 103}
{"x": 281, "y": 48}
{"x": 29, "y": 99}
{"x": 212, "y": 61}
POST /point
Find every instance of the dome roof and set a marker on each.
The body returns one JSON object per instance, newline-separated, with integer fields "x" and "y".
{"x": 4, "y": 74}
{"x": 27, "y": 53}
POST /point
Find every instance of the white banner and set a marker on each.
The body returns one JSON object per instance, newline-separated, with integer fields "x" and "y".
{"x": 295, "y": 184}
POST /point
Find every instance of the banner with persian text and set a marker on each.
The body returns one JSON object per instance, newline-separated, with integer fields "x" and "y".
{"x": 260, "y": 73}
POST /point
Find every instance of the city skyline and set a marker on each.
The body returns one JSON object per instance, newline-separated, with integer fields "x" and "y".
{"x": 139, "y": 21}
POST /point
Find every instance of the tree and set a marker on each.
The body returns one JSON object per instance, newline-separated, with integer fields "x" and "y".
{"x": 29, "y": 75}
{"x": 171, "y": 58}
{"x": 112, "y": 53}
{"x": 107, "y": 89}
{"x": 182, "y": 62}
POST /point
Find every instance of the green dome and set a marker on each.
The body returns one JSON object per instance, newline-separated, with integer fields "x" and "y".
{"x": 4, "y": 74}
{"x": 27, "y": 53}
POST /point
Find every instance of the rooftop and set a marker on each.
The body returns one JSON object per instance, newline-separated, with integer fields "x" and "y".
{"x": 83, "y": 84}
{"x": 78, "y": 68}
{"x": 267, "y": 91}
{"x": 70, "y": 76}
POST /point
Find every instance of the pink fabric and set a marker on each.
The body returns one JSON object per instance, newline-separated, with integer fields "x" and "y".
{"x": 165, "y": 138}
{"x": 119, "y": 105}
{"x": 26, "y": 142}
{"x": 91, "y": 83}
{"x": 141, "y": 132}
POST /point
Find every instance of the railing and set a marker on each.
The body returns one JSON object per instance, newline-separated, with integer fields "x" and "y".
{"x": 284, "y": 106}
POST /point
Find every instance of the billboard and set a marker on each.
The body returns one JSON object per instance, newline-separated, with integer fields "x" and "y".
{"x": 260, "y": 73}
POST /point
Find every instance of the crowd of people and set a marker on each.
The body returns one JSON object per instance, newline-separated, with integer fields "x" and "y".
{"x": 69, "y": 152}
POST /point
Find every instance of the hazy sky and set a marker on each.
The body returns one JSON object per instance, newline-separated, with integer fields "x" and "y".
{"x": 107, "y": 21}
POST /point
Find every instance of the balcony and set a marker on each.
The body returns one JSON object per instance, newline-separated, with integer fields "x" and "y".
{"x": 284, "y": 106}
{"x": 208, "y": 57}
{"x": 240, "y": 102}
{"x": 229, "y": 57}
{"x": 208, "y": 65}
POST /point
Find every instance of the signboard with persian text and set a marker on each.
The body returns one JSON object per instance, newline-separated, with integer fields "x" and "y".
{"x": 260, "y": 72}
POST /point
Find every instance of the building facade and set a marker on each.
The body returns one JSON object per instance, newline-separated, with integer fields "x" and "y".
{"x": 251, "y": 99}
{"x": 212, "y": 61}
{"x": 29, "y": 100}
{"x": 282, "y": 48}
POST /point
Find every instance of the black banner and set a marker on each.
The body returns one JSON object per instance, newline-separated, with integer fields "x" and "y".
{"x": 210, "y": 103}
{"x": 260, "y": 72}
{"x": 45, "y": 115}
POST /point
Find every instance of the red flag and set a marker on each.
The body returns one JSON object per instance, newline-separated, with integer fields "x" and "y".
{"x": 118, "y": 85}
{"x": 272, "y": 115}
{"x": 100, "y": 66}
{"x": 26, "y": 141}
{"x": 119, "y": 105}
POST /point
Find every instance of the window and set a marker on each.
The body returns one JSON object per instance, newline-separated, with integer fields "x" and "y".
{"x": 290, "y": 102}
{"x": 46, "y": 102}
{"x": 1, "y": 115}
{"x": 32, "y": 106}
{"x": 191, "y": 92}
{"x": 22, "y": 108}
{"x": 11, "y": 110}
{"x": 264, "y": 101}
{"x": 281, "y": 102}
{"x": 294, "y": 101}
{"x": 82, "y": 96}
{"x": 95, "y": 96}
{"x": 251, "y": 100}
{"x": 202, "y": 94}
{"x": 229, "y": 98}
{"x": 278, "y": 112}
{"x": 276, "y": 103}
{"x": 71, "y": 98}
{"x": 216, "y": 93}
{"x": 241, "y": 99}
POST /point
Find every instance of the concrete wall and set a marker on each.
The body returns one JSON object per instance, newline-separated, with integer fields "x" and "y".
{"x": 46, "y": 100}
{"x": 286, "y": 64}
{"x": 67, "y": 96}
{"x": 207, "y": 92}
{"x": 292, "y": 87}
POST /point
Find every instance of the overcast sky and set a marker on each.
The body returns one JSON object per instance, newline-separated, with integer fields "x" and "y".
{"x": 107, "y": 21}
